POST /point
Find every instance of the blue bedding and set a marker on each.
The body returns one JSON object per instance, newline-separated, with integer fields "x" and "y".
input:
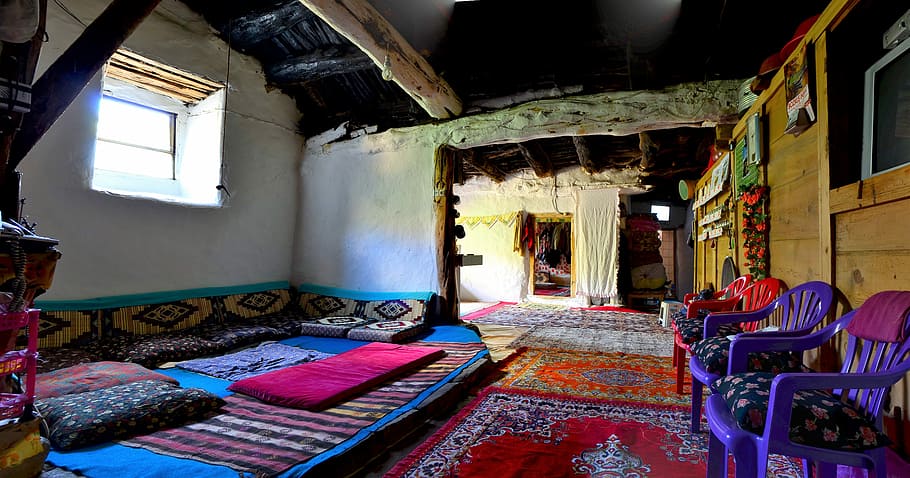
{"x": 113, "y": 459}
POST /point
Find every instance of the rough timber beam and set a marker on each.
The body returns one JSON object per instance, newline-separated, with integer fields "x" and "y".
{"x": 360, "y": 23}
{"x": 537, "y": 158}
{"x": 649, "y": 149}
{"x": 484, "y": 165}
{"x": 617, "y": 113}
{"x": 317, "y": 65}
{"x": 73, "y": 69}
{"x": 249, "y": 29}
{"x": 583, "y": 150}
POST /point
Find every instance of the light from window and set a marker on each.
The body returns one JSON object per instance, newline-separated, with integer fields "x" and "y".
{"x": 135, "y": 139}
{"x": 662, "y": 212}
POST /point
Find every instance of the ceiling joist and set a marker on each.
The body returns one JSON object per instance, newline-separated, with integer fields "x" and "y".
{"x": 318, "y": 65}
{"x": 360, "y": 23}
{"x": 583, "y": 150}
{"x": 537, "y": 158}
{"x": 484, "y": 165}
{"x": 253, "y": 27}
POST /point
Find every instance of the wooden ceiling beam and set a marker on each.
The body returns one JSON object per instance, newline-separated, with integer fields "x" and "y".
{"x": 254, "y": 27}
{"x": 317, "y": 65}
{"x": 649, "y": 149}
{"x": 583, "y": 149}
{"x": 537, "y": 158}
{"x": 360, "y": 23}
{"x": 483, "y": 165}
{"x": 68, "y": 75}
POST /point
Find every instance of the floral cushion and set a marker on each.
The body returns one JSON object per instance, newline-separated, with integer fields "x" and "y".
{"x": 80, "y": 419}
{"x": 153, "y": 350}
{"x": 714, "y": 353}
{"x": 62, "y": 357}
{"x": 237, "y": 334}
{"x": 93, "y": 376}
{"x": 285, "y": 324}
{"x": 819, "y": 418}
{"x": 691, "y": 330}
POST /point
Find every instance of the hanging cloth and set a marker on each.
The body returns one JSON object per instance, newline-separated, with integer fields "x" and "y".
{"x": 596, "y": 242}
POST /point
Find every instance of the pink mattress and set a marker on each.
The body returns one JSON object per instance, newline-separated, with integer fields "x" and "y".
{"x": 320, "y": 384}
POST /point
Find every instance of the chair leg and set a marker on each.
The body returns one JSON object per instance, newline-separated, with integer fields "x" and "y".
{"x": 680, "y": 370}
{"x": 717, "y": 457}
{"x": 749, "y": 463}
{"x": 675, "y": 354}
{"x": 697, "y": 390}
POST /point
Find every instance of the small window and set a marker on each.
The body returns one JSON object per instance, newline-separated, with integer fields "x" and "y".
{"x": 135, "y": 139}
{"x": 662, "y": 212}
{"x": 159, "y": 133}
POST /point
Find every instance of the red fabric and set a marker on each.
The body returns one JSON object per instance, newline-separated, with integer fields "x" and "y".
{"x": 881, "y": 317}
{"x": 320, "y": 384}
{"x": 486, "y": 310}
{"x": 91, "y": 376}
{"x": 612, "y": 308}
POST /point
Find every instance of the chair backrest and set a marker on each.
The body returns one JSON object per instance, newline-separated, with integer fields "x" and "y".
{"x": 871, "y": 356}
{"x": 736, "y": 287}
{"x": 758, "y": 295}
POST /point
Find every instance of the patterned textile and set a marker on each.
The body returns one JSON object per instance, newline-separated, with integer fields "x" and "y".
{"x": 531, "y": 315}
{"x": 251, "y": 436}
{"x": 82, "y": 419}
{"x": 819, "y": 419}
{"x": 54, "y": 359}
{"x": 691, "y": 330}
{"x": 159, "y": 318}
{"x": 64, "y": 327}
{"x": 153, "y": 350}
{"x": 714, "y": 353}
{"x": 597, "y": 340}
{"x": 387, "y": 331}
{"x": 601, "y": 375}
{"x": 510, "y": 433}
{"x": 286, "y": 324}
{"x": 332, "y": 326}
{"x": 251, "y": 362}
{"x": 93, "y": 376}
{"x": 318, "y": 305}
{"x": 238, "y": 334}
{"x": 254, "y": 304}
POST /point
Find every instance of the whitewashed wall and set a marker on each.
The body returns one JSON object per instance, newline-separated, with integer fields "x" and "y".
{"x": 113, "y": 245}
{"x": 366, "y": 219}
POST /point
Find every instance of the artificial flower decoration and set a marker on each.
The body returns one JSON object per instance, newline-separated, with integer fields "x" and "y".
{"x": 755, "y": 229}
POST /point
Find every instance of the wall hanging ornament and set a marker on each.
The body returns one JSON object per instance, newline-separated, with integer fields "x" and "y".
{"x": 756, "y": 222}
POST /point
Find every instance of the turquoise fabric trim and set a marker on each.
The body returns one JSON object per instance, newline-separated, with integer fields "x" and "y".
{"x": 363, "y": 295}
{"x": 156, "y": 297}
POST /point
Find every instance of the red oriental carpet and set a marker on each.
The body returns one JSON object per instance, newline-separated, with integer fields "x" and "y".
{"x": 602, "y": 375}
{"x": 508, "y": 433}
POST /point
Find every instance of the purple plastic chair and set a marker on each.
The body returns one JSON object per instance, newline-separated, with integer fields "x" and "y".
{"x": 799, "y": 309}
{"x": 869, "y": 369}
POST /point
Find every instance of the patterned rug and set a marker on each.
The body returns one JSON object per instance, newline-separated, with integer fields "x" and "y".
{"x": 607, "y": 376}
{"x": 509, "y": 433}
{"x": 546, "y": 315}
{"x": 598, "y": 340}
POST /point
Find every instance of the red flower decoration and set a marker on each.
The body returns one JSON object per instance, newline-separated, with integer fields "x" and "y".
{"x": 755, "y": 230}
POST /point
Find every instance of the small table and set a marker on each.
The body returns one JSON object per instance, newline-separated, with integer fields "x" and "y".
{"x": 646, "y": 300}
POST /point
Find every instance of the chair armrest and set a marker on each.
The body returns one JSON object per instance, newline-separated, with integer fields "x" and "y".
{"x": 688, "y": 297}
{"x": 722, "y": 305}
{"x": 785, "y": 385}
{"x": 714, "y": 319}
{"x": 744, "y": 344}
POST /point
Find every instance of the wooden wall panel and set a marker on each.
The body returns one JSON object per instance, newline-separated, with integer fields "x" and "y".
{"x": 793, "y": 158}
{"x": 794, "y": 210}
{"x": 880, "y": 228}
{"x": 860, "y": 274}
{"x": 794, "y": 261}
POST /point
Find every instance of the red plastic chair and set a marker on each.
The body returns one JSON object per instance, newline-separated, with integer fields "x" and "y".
{"x": 732, "y": 289}
{"x": 871, "y": 366}
{"x": 753, "y": 297}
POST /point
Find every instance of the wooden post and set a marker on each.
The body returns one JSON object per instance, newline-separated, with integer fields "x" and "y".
{"x": 443, "y": 180}
{"x": 17, "y": 62}
{"x": 67, "y": 76}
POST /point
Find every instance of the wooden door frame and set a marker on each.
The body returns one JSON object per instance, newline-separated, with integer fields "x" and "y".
{"x": 533, "y": 260}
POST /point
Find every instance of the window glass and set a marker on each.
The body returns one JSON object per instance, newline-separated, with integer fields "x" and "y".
{"x": 134, "y": 139}
{"x": 662, "y": 212}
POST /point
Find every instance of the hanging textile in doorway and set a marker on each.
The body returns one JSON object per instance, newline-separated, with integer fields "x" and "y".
{"x": 597, "y": 240}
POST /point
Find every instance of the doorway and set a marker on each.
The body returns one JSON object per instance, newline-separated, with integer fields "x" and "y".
{"x": 554, "y": 248}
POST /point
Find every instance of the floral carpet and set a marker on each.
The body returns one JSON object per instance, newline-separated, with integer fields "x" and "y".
{"x": 542, "y": 315}
{"x": 609, "y": 376}
{"x": 512, "y": 433}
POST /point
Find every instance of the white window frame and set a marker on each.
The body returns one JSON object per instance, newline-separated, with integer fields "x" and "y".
{"x": 198, "y": 139}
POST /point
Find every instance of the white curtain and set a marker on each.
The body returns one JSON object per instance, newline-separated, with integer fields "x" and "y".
{"x": 596, "y": 242}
